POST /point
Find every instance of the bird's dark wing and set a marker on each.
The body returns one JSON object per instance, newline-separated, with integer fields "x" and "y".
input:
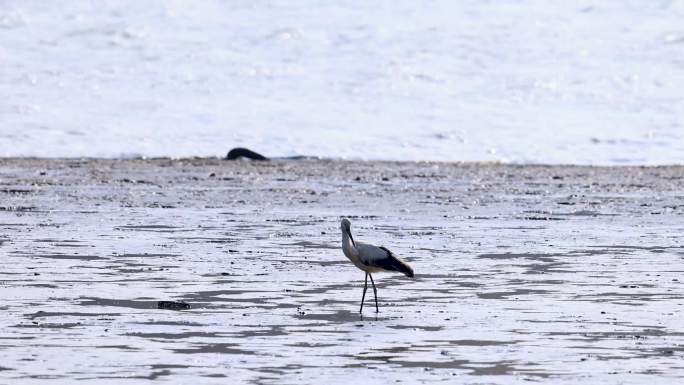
{"x": 393, "y": 263}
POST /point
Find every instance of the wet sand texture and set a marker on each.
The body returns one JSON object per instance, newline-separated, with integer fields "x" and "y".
{"x": 558, "y": 275}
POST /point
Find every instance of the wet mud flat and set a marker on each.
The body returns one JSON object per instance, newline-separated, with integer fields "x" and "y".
{"x": 541, "y": 274}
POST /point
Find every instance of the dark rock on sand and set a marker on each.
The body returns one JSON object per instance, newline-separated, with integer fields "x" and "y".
{"x": 240, "y": 152}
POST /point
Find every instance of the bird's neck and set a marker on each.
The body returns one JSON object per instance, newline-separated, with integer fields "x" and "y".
{"x": 345, "y": 238}
{"x": 347, "y": 245}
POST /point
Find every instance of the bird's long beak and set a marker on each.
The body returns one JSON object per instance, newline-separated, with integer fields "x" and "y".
{"x": 350, "y": 237}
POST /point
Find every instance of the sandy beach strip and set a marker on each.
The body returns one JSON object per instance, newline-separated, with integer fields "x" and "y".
{"x": 548, "y": 274}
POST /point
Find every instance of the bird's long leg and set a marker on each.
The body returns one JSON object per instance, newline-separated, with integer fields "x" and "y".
{"x": 365, "y": 287}
{"x": 375, "y": 292}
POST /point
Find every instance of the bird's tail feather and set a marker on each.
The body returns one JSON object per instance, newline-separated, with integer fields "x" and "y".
{"x": 394, "y": 263}
{"x": 401, "y": 266}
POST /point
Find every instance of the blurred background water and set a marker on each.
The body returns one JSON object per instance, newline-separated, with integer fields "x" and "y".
{"x": 528, "y": 81}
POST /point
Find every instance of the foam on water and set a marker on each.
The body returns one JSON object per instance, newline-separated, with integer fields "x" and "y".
{"x": 522, "y": 81}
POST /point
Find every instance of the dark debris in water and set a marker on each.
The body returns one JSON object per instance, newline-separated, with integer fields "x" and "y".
{"x": 172, "y": 305}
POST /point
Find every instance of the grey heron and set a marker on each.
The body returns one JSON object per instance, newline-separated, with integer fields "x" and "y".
{"x": 370, "y": 259}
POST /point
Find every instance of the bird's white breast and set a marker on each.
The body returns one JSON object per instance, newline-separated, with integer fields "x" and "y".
{"x": 352, "y": 253}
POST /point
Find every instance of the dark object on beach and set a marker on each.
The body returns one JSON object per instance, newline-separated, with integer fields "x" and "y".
{"x": 241, "y": 152}
{"x": 171, "y": 305}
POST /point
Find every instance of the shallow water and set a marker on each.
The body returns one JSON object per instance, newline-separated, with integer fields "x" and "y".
{"x": 522, "y": 273}
{"x": 592, "y": 82}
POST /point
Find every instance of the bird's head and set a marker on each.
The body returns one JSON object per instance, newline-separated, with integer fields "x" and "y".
{"x": 345, "y": 225}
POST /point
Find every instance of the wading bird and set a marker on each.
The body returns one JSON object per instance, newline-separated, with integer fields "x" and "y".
{"x": 370, "y": 259}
